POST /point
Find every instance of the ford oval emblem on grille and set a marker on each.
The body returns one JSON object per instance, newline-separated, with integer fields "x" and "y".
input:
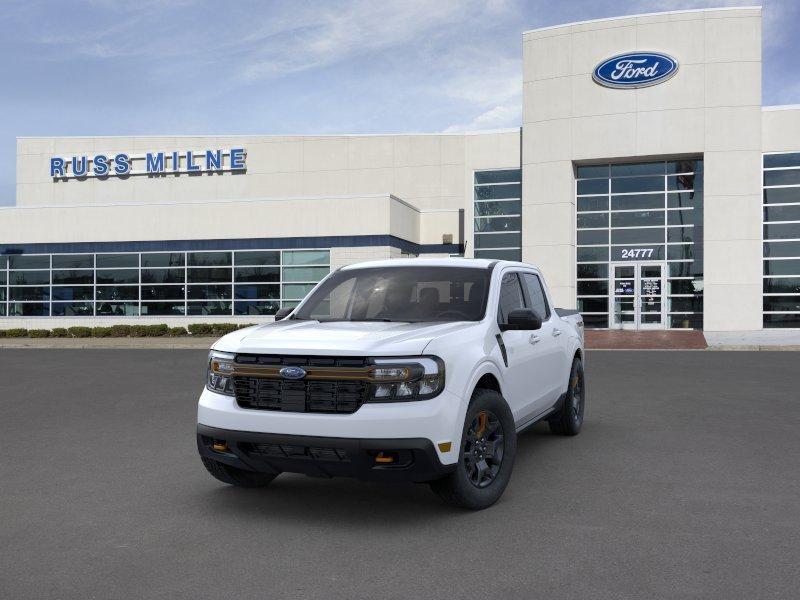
{"x": 292, "y": 373}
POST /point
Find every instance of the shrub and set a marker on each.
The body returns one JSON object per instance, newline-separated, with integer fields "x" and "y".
{"x": 101, "y": 332}
{"x": 38, "y": 333}
{"x": 2, "y": 333}
{"x": 177, "y": 332}
{"x": 80, "y": 332}
{"x": 59, "y": 332}
{"x": 120, "y": 330}
{"x": 16, "y": 332}
{"x": 201, "y": 329}
{"x": 246, "y": 325}
{"x": 157, "y": 330}
{"x": 223, "y": 328}
{"x": 138, "y": 331}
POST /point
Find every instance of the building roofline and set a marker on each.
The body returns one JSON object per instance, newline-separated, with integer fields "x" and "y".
{"x": 781, "y": 107}
{"x": 266, "y": 135}
{"x": 652, "y": 14}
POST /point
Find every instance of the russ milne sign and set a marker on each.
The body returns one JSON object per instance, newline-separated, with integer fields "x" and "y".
{"x": 150, "y": 163}
{"x": 635, "y": 70}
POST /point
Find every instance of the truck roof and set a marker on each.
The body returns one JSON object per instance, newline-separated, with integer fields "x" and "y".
{"x": 476, "y": 263}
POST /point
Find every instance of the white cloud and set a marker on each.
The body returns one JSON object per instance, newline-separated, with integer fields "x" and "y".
{"x": 497, "y": 117}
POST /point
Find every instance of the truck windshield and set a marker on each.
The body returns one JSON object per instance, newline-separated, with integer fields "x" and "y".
{"x": 405, "y": 294}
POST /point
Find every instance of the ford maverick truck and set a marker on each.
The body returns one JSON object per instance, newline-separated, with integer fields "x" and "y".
{"x": 420, "y": 370}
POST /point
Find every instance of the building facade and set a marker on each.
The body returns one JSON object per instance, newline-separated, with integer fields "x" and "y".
{"x": 647, "y": 181}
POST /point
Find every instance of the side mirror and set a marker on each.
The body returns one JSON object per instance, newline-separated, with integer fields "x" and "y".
{"x": 524, "y": 319}
{"x": 283, "y": 313}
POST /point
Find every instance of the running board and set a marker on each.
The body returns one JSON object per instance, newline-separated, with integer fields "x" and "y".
{"x": 533, "y": 420}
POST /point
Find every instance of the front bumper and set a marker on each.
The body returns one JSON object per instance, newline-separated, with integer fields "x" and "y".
{"x": 415, "y": 459}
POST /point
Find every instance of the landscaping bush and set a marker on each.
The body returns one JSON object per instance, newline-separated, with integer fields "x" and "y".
{"x": 201, "y": 329}
{"x": 59, "y": 332}
{"x": 138, "y": 331}
{"x": 223, "y": 328}
{"x": 16, "y": 332}
{"x": 2, "y": 333}
{"x": 157, "y": 330}
{"x": 80, "y": 332}
{"x": 120, "y": 330}
{"x": 177, "y": 332}
{"x": 101, "y": 332}
{"x": 38, "y": 333}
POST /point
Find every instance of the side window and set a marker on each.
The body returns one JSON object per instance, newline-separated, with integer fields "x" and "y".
{"x": 538, "y": 301}
{"x": 511, "y": 296}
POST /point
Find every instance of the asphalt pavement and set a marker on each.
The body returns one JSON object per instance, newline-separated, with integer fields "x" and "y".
{"x": 684, "y": 484}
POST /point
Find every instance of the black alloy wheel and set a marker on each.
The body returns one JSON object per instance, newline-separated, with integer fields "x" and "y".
{"x": 484, "y": 446}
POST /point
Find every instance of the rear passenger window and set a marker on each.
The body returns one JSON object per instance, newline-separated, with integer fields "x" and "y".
{"x": 511, "y": 297}
{"x": 538, "y": 302}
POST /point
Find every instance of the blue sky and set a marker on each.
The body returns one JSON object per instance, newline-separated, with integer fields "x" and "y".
{"x": 148, "y": 67}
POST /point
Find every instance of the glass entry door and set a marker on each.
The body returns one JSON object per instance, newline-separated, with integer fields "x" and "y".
{"x": 637, "y": 295}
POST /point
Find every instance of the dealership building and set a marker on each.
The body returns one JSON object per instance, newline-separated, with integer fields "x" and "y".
{"x": 647, "y": 181}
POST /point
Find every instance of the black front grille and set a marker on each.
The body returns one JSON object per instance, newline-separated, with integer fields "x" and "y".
{"x": 339, "y": 396}
{"x": 294, "y": 451}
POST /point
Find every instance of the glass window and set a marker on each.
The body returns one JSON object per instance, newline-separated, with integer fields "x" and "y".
{"x": 595, "y": 203}
{"x": 117, "y": 275}
{"x": 257, "y": 307}
{"x": 511, "y": 297}
{"x": 73, "y": 261}
{"x": 500, "y": 254}
{"x": 29, "y": 293}
{"x": 592, "y": 186}
{"x": 209, "y": 292}
{"x": 593, "y": 288}
{"x": 117, "y": 309}
{"x": 681, "y": 269}
{"x": 684, "y": 166}
{"x": 592, "y": 271}
{"x": 782, "y": 213}
{"x": 790, "y": 159}
{"x": 782, "y": 267}
{"x": 782, "y": 195}
{"x": 694, "y": 304}
{"x": 625, "y": 185}
{"x": 684, "y": 217}
{"x": 163, "y": 259}
{"x": 684, "y": 200}
{"x": 685, "y": 286}
{"x": 596, "y": 305}
{"x": 164, "y": 309}
{"x": 592, "y": 254}
{"x": 117, "y": 292}
{"x": 497, "y": 240}
{"x": 115, "y": 261}
{"x": 219, "y": 307}
{"x": 687, "y": 321}
{"x": 257, "y": 292}
{"x": 680, "y": 252}
{"x": 257, "y": 258}
{"x": 210, "y": 275}
{"x": 163, "y": 292}
{"x": 637, "y": 202}
{"x": 296, "y": 291}
{"x": 651, "y": 168}
{"x": 496, "y": 192}
{"x": 787, "y": 177}
{"x": 498, "y": 176}
{"x": 782, "y": 285}
{"x": 498, "y": 224}
{"x": 587, "y": 221}
{"x": 637, "y": 219}
{"x": 29, "y": 277}
{"x": 25, "y": 261}
{"x": 257, "y": 274}
{"x": 782, "y": 249}
{"x": 28, "y": 309}
{"x": 684, "y": 182}
{"x": 209, "y": 259}
{"x": 782, "y": 303}
{"x": 306, "y": 257}
{"x": 304, "y": 274}
{"x": 72, "y": 309}
{"x": 785, "y": 320}
{"x": 85, "y": 292}
{"x": 593, "y": 236}
{"x": 591, "y": 171}
{"x": 595, "y": 321}
{"x": 538, "y": 301}
{"x": 163, "y": 276}
{"x": 680, "y": 234}
{"x": 65, "y": 277}
{"x": 500, "y": 207}
{"x": 785, "y": 231}
{"x": 637, "y": 236}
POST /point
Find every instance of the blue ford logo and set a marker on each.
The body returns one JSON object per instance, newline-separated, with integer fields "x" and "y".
{"x": 292, "y": 373}
{"x": 635, "y": 70}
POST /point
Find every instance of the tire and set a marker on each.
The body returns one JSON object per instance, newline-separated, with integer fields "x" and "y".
{"x": 569, "y": 419}
{"x": 488, "y": 429}
{"x": 238, "y": 477}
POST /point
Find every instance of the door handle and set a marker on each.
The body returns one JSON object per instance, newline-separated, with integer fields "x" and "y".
{"x": 534, "y": 339}
{"x": 556, "y": 332}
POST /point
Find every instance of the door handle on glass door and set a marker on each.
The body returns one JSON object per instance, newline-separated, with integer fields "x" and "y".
{"x": 534, "y": 339}
{"x": 556, "y": 332}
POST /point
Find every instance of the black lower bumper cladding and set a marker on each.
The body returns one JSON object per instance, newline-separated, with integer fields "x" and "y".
{"x": 413, "y": 459}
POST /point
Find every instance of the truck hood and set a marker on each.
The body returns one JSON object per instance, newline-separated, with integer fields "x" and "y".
{"x": 341, "y": 338}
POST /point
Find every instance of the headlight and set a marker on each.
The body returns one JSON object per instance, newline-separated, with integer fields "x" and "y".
{"x": 401, "y": 379}
{"x": 220, "y": 367}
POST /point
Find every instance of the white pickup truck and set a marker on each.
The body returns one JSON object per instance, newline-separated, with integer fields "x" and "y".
{"x": 420, "y": 370}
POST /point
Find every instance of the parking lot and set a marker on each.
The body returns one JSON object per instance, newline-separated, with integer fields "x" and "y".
{"x": 683, "y": 484}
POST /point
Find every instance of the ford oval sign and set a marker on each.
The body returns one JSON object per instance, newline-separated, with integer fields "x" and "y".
{"x": 292, "y": 373}
{"x": 635, "y": 70}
